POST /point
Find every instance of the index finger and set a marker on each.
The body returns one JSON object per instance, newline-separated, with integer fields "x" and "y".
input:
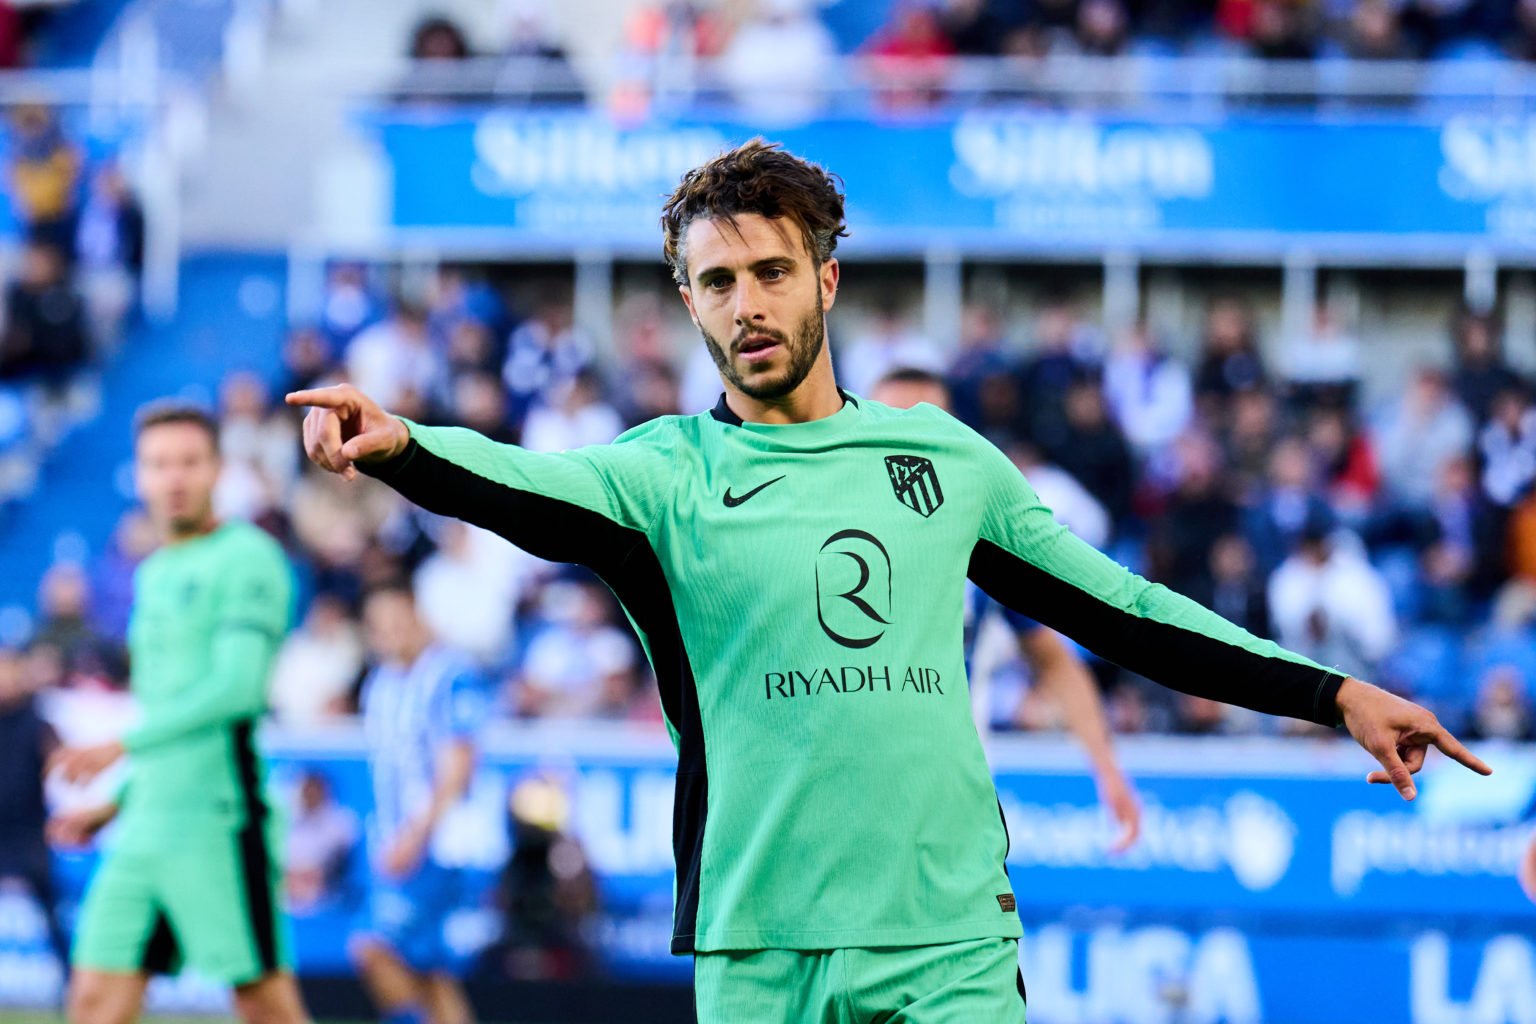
{"x": 324, "y": 398}
{"x": 1451, "y": 747}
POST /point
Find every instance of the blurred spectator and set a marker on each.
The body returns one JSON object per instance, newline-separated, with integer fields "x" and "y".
{"x": 1348, "y": 462}
{"x": 1198, "y": 512}
{"x": 1283, "y": 30}
{"x": 547, "y": 890}
{"x": 26, "y": 741}
{"x": 347, "y": 304}
{"x": 1059, "y": 491}
{"x": 982, "y": 383}
{"x": 1148, "y": 392}
{"x": 780, "y": 61}
{"x": 336, "y": 523}
{"x": 1234, "y": 589}
{"x": 307, "y": 359}
{"x": 1230, "y": 363}
{"x": 46, "y": 335}
{"x": 1330, "y": 604}
{"x": 64, "y": 599}
{"x": 1420, "y": 431}
{"x": 323, "y": 837}
{"x": 480, "y": 403}
{"x": 260, "y": 447}
{"x": 1481, "y": 373}
{"x": 1065, "y": 351}
{"x": 44, "y": 177}
{"x": 573, "y": 414}
{"x": 318, "y": 665}
{"x": 1374, "y": 32}
{"x": 1281, "y": 509}
{"x": 1502, "y": 709}
{"x": 1103, "y": 28}
{"x": 887, "y": 342}
{"x": 133, "y": 539}
{"x": 109, "y": 249}
{"x": 539, "y": 70}
{"x": 1458, "y": 544}
{"x": 395, "y": 357}
{"x": 652, "y": 390}
{"x": 467, "y": 591}
{"x": 439, "y": 51}
{"x": 1507, "y": 444}
{"x": 581, "y": 664}
{"x": 975, "y": 28}
{"x": 1095, "y": 449}
{"x": 1323, "y": 366}
{"x": 544, "y": 351}
{"x": 911, "y": 55}
{"x": 1252, "y": 428}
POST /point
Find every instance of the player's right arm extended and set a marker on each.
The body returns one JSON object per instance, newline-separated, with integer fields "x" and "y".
{"x": 591, "y": 505}
{"x": 587, "y": 505}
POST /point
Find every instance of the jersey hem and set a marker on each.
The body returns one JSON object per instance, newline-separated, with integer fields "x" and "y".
{"x": 1002, "y": 927}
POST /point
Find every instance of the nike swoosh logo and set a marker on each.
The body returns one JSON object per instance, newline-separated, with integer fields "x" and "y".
{"x": 732, "y": 502}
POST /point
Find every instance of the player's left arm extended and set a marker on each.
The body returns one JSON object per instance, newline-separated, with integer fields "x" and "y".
{"x": 253, "y": 610}
{"x": 1031, "y": 563}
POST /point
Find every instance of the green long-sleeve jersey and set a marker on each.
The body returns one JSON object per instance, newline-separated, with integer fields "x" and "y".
{"x": 799, "y": 591}
{"x": 208, "y": 616}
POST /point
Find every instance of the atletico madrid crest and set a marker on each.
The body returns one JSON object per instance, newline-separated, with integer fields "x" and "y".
{"x": 915, "y": 483}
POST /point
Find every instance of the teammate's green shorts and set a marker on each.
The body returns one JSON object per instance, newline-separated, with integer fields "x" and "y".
{"x": 976, "y": 982}
{"x": 204, "y": 897}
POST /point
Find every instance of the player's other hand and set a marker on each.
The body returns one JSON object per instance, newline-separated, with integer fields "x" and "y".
{"x": 82, "y": 764}
{"x": 345, "y": 426}
{"x": 1398, "y": 733}
{"x": 1118, "y": 795}
{"x": 405, "y": 854}
{"x": 77, "y": 828}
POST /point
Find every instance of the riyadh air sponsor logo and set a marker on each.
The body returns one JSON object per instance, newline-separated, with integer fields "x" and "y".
{"x": 848, "y": 679}
{"x": 1248, "y": 835}
{"x": 853, "y": 588}
{"x": 1075, "y": 158}
{"x": 1365, "y": 844}
{"x": 517, "y": 155}
{"x": 915, "y": 483}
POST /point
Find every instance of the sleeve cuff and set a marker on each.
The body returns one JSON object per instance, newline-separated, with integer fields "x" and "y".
{"x": 390, "y": 468}
{"x": 1325, "y": 702}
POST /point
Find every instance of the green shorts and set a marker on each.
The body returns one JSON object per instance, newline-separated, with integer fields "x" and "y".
{"x": 204, "y": 897}
{"x": 955, "y": 983}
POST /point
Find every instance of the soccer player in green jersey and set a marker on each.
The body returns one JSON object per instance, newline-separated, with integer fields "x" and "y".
{"x": 794, "y": 563}
{"x": 192, "y": 876}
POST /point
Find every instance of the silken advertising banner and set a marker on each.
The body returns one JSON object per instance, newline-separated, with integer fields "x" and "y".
{"x": 1005, "y": 180}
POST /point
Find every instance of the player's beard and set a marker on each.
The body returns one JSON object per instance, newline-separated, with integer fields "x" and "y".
{"x": 803, "y": 347}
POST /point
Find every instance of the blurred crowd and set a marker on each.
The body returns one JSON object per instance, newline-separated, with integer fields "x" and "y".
{"x": 70, "y": 283}
{"x": 1397, "y": 543}
{"x": 784, "y": 56}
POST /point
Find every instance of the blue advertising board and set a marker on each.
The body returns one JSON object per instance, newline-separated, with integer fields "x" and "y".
{"x": 1005, "y": 181}
{"x": 1270, "y": 883}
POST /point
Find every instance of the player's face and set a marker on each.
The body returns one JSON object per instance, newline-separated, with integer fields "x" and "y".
{"x": 389, "y": 623}
{"x": 175, "y": 469}
{"x": 904, "y": 394}
{"x": 760, "y": 300}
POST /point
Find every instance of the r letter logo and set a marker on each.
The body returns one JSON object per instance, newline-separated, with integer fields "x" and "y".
{"x": 853, "y": 588}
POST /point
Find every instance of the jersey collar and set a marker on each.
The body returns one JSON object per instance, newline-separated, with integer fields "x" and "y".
{"x": 724, "y": 414}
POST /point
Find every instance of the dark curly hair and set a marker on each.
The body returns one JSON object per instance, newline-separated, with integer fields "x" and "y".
{"x": 756, "y": 177}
